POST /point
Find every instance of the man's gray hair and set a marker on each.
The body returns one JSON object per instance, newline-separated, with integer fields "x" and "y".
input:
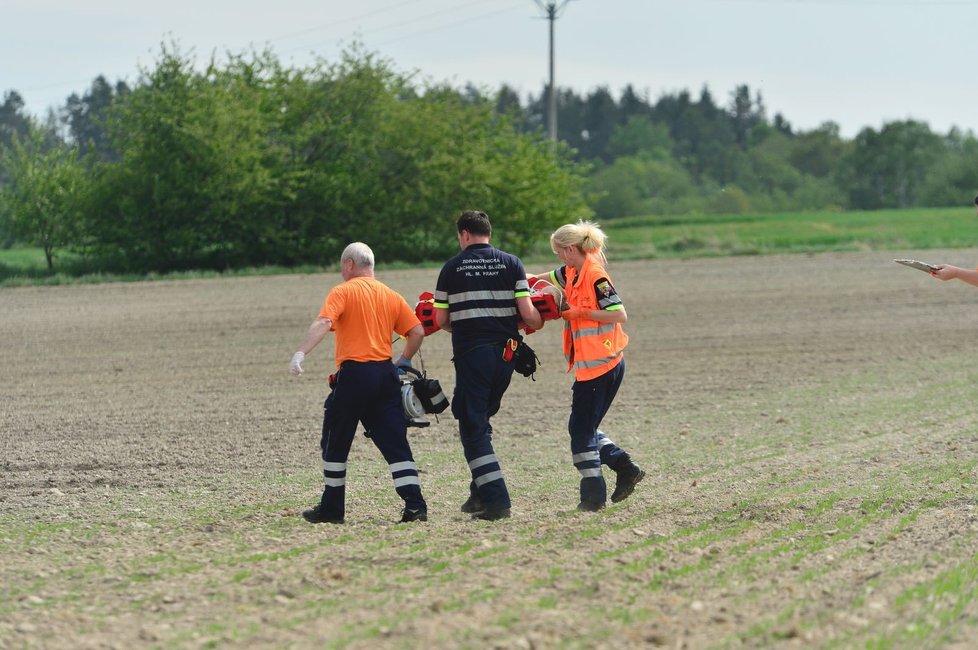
{"x": 360, "y": 253}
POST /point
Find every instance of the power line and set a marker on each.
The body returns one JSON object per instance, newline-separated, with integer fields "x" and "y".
{"x": 403, "y": 22}
{"x": 455, "y": 24}
{"x": 342, "y": 22}
{"x": 854, "y": 3}
{"x": 292, "y": 35}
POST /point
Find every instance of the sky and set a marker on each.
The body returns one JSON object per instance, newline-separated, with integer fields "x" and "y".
{"x": 858, "y": 63}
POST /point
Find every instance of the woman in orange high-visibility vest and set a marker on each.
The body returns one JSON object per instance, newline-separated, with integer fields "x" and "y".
{"x": 594, "y": 344}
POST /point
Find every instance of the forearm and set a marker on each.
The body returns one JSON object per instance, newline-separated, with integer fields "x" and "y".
{"x": 443, "y": 318}
{"x": 317, "y": 332}
{"x": 528, "y": 313}
{"x": 968, "y": 276}
{"x": 414, "y": 337}
{"x": 607, "y": 315}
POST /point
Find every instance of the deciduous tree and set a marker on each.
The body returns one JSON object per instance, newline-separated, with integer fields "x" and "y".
{"x": 41, "y": 202}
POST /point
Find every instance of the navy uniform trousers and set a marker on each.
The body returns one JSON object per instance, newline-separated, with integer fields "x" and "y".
{"x": 590, "y": 447}
{"x": 367, "y": 392}
{"x": 481, "y": 378}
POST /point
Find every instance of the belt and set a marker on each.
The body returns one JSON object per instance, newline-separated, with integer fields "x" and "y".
{"x": 351, "y": 361}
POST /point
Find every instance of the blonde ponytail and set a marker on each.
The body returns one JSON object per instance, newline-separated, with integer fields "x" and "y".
{"x": 586, "y": 236}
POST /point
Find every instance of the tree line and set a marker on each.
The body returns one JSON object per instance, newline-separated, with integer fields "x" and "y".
{"x": 685, "y": 155}
{"x": 253, "y": 163}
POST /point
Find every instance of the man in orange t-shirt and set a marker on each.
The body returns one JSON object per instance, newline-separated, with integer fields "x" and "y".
{"x": 366, "y": 387}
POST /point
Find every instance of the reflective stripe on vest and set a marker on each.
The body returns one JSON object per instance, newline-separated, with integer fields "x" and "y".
{"x": 603, "y": 328}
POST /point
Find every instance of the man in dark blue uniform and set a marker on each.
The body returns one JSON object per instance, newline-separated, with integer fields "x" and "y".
{"x": 480, "y": 297}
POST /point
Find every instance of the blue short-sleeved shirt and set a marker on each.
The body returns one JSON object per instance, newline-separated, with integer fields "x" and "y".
{"x": 479, "y": 287}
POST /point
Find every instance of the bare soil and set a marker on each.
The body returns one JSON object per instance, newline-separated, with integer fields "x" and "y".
{"x": 808, "y": 425}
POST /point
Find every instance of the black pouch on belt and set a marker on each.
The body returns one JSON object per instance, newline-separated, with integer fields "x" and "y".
{"x": 525, "y": 360}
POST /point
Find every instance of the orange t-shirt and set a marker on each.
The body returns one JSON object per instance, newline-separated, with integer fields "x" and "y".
{"x": 365, "y": 312}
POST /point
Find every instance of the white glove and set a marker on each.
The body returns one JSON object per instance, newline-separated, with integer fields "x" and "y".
{"x": 295, "y": 368}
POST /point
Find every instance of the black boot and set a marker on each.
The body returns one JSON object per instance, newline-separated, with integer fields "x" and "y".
{"x": 319, "y": 515}
{"x": 629, "y": 475}
{"x": 473, "y": 505}
{"x": 419, "y": 513}
{"x": 590, "y": 506}
{"x": 493, "y": 513}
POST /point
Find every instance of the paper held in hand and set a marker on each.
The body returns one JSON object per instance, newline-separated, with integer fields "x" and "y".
{"x": 917, "y": 264}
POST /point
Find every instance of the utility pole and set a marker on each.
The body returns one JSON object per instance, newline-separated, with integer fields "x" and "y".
{"x": 552, "y": 9}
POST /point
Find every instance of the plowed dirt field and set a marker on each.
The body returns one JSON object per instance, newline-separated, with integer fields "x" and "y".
{"x": 809, "y": 425}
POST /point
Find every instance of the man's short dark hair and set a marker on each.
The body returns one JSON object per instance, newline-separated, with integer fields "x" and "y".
{"x": 976, "y": 200}
{"x": 476, "y": 222}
